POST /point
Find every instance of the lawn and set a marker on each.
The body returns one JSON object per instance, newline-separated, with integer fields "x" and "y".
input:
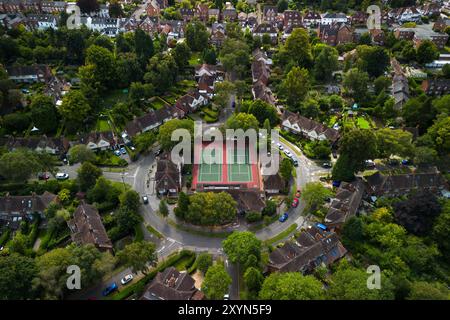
{"x": 281, "y": 235}
{"x": 154, "y": 231}
{"x": 102, "y": 125}
{"x": 194, "y": 60}
{"x": 114, "y": 97}
{"x": 158, "y": 103}
{"x": 363, "y": 123}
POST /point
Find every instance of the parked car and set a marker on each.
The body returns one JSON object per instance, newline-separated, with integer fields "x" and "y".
{"x": 61, "y": 176}
{"x": 132, "y": 148}
{"x": 158, "y": 152}
{"x": 370, "y": 164}
{"x": 288, "y": 153}
{"x": 294, "y": 162}
{"x": 117, "y": 153}
{"x": 109, "y": 289}
{"x": 298, "y": 194}
{"x": 123, "y": 151}
{"x": 145, "y": 199}
{"x": 280, "y": 146}
{"x": 326, "y": 165}
{"x": 393, "y": 162}
{"x": 128, "y": 278}
{"x": 406, "y": 162}
{"x": 43, "y": 176}
{"x": 226, "y": 297}
{"x": 295, "y": 203}
{"x": 283, "y": 217}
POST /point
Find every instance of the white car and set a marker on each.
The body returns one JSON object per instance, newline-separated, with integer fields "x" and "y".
{"x": 279, "y": 146}
{"x": 288, "y": 153}
{"x": 62, "y": 176}
{"x": 226, "y": 297}
{"x": 126, "y": 279}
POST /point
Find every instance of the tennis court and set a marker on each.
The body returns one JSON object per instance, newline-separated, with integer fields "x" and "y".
{"x": 210, "y": 172}
{"x": 239, "y": 167}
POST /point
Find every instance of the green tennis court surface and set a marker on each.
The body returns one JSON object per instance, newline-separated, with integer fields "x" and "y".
{"x": 210, "y": 172}
{"x": 239, "y": 168}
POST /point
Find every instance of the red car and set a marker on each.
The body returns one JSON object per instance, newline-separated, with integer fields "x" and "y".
{"x": 295, "y": 203}
{"x": 297, "y": 195}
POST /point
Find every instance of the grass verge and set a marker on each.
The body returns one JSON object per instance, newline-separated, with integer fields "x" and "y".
{"x": 282, "y": 235}
{"x": 198, "y": 232}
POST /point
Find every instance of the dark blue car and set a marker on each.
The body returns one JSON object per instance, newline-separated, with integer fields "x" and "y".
{"x": 283, "y": 217}
{"x": 109, "y": 289}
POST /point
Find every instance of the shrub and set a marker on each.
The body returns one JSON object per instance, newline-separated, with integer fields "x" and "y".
{"x": 204, "y": 261}
{"x": 253, "y": 216}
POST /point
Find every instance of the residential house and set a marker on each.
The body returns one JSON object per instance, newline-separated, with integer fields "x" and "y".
{"x": 12, "y": 20}
{"x": 252, "y": 20}
{"x": 187, "y": 14}
{"x": 15, "y": 209}
{"x": 308, "y": 128}
{"x": 205, "y": 85}
{"x": 217, "y": 34}
{"x": 405, "y": 14}
{"x": 150, "y": 25}
{"x": 377, "y": 36}
{"x": 99, "y": 141}
{"x": 335, "y": 33}
{"x": 52, "y": 145}
{"x": 229, "y": 13}
{"x": 214, "y": 14}
{"x": 380, "y": 184}
{"x": 248, "y": 200}
{"x": 311, "y": 18}
{"x": 172, "y": 284}
{"x": 331, "y": 18}
{"x": 86, "y": 227}
{"x": 262, "y": 92}
{"x": 152, "y": 9}
{"x": 191, "y": 102}
{"x": 266, "y": 29}
{"x": 205, "y": 69}
{"x": 359, "y": 18}
{"x": 269, "y": 13}
{"x": 430, "y": 9}
{"x": 400, "y": 85}
{"x": 42, "y": 21}
{"x": 150, "y": 121}
{"x": 441, "y": 24}
{"x": 313, "y": 248}
{"x": 31, "y": 5}
{"x": 53, "y": 7}
{"x": 130, "y": 24}
{"x": 345, "y": 204}
{"x": 167, "y": 178}
{"x": 11, "y": 6}
{"x": 292, "y": 18}
{"x": 273, "y": 183}
{"x": 421, "y": 33}
{"x": 30, "y": 74}
{"x": 201, "y": 12}
{"x": 436, "y": 87}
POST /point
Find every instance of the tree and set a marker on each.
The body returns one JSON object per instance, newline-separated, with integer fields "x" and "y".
{"x": 355, "y": 146}
{"x": 296, "y": 85}
{"x": 216, "y": 282}
{"x": 81, "y": 153}
{"x": 418, "y": 111}
{"x": 87, "y": 175}
{"x": 423, "y": 290}
{"x": 325, "y": 62}
{"x": 263, "y": 111}
{"x": 163, "y": 209}
{"x": 242, "y": 121}
{"x": 234, "y": 55}
{"x": 238, "y": 246}
{"x": 223, "y": 91}
{"x": 394, "y": 142}
{"x": 101, "y": 72}
{"x": 253, "y": 279}
{"x": 439, "y": 133}
{"x": 129, "y": 68}
{"x": 44, "y": 113}
{"x": 291, "y": 286}
{"x": 381, "y": 84}
{"x": 162, "y": 72}
{"x": 424, "y": 156}
{"x": 196, "y": 35}
{"x": 138, "y": 255}
{"x": 144, "y": 141}
{"x": 442, "y": 104}
{"x": 418, "y": 213}
{"x": 181, "y": 54}
{"x": 441, "y": 229}
{"x": 314, "y": 194}
{"x": 104, "y": 193}
{"x": 427, "y": 52}
{"x": 282, "y": 5}
{"x": 270, "y": 209}
{"x": 297, "y": 49}
{"x": 130, "y": 199}
{"x": 74, "y": 110}
{"x": 16, "y": 122}
{"x": 353, "y": 232}
{"x": 143, "y": 46}
{"x": 446, "y": 71}
{"x": 16, "y": 275}
{"x": 374, "y": 60}
{"x": 140, "y": 91}
{"x": 351, "y": 284}
{"x": 166, "y": 130}
{"x": 210, "y": 208}
{"x": 204, "y": 262}
{"x": 115, "y": 9}
{"x": 18, "y": 165}
{"x": 182, "y": 205}
{"x": 88, "y": 6}
{"x": 286, "y": 168}
{"x": 355, "y": 82}
{"x": 209, "y": 56}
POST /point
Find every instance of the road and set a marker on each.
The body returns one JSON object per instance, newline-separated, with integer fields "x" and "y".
{"x": 140, "y": 10}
